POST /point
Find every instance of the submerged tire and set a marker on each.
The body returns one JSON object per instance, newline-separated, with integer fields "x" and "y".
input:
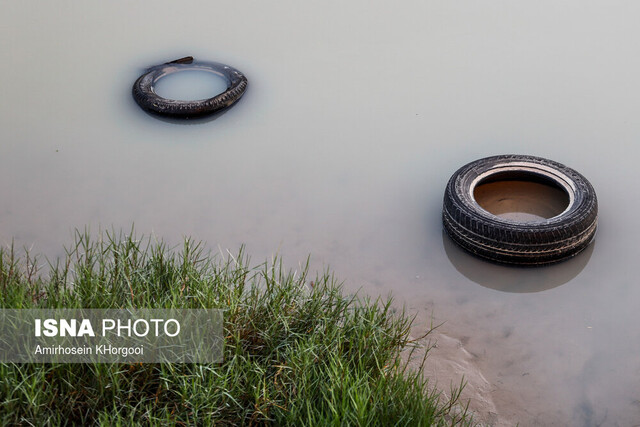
{"x": 523, "y": 243}
{"x": 144, "y": 94}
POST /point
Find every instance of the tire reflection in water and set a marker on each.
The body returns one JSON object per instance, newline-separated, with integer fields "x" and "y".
{"x": 514, "y": 279}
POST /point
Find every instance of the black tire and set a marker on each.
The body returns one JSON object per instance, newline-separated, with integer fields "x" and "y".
{"x": 523, "y": 243}
{"x": 144, "y": 94}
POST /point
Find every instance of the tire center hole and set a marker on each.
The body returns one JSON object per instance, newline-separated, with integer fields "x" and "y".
{"x": 521, "y": 196}
{"x": 190, "y": 85}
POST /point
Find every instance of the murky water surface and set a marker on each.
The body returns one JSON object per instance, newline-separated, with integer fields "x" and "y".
{"x": 523, "y": 201}
{"x": 190, "y": 85}
{"x": 355, "y": 117}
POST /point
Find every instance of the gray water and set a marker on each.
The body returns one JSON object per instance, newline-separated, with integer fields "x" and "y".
{"x": 356, "y": 115}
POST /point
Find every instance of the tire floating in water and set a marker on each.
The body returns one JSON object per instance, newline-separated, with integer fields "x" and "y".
{"x": 148, "y": 100}
{"x": 530, "y": 242}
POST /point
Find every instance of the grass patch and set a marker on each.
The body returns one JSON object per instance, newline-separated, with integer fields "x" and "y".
{"x": 298, "y": 351}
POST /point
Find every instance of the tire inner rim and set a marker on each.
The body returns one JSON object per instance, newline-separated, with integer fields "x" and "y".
{"x": 525, "y": 171}
{"x": 146, "y": 97}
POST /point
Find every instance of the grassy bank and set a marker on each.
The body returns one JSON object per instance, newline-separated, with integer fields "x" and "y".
{"x": 298, "y": 351}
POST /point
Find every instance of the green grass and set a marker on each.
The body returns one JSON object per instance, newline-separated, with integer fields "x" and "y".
{"x": 298, "y": 351}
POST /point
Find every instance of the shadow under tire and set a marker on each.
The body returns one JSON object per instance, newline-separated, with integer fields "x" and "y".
{"x": 501, "y": 240}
